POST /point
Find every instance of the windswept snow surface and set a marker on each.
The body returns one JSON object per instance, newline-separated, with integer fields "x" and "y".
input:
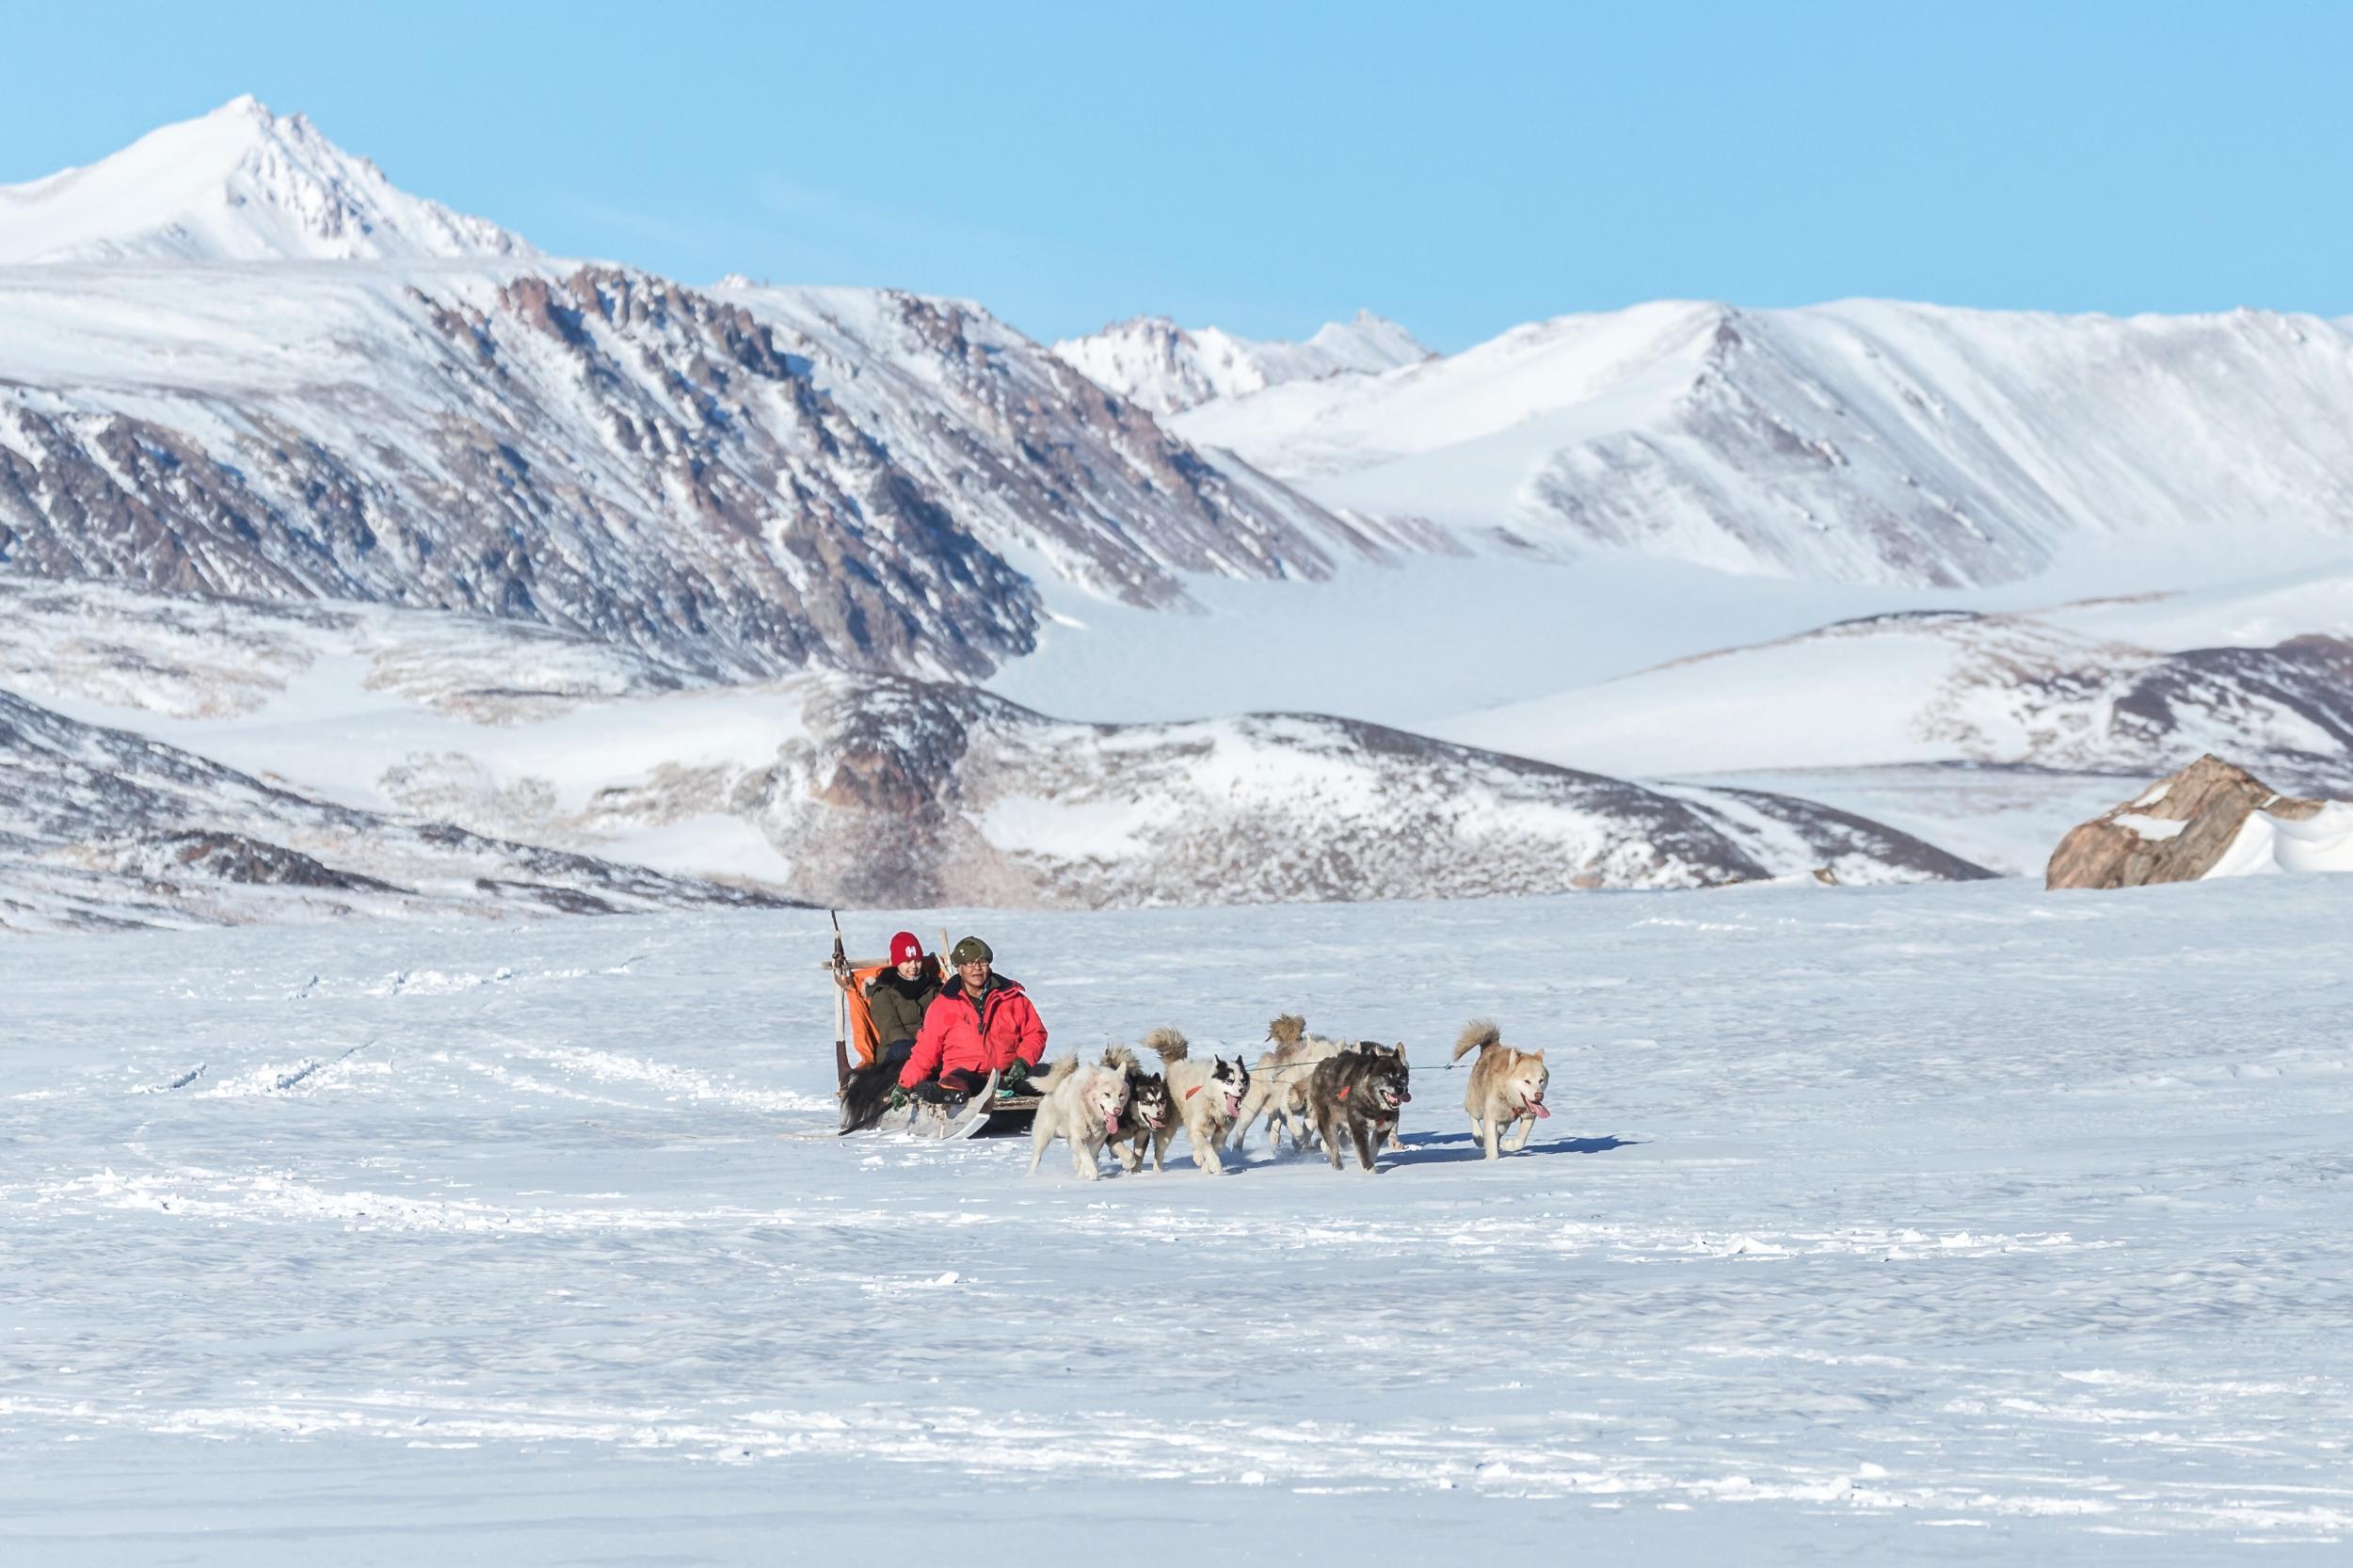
{"x": 1922, "y": 1225}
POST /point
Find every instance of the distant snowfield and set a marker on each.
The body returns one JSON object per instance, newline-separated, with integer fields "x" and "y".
{"x": 1887, "y": 1225}
{"x": 2039, "y": 685}
{"x": 1410, "y": 643}
{"x": 2007, "y": 820}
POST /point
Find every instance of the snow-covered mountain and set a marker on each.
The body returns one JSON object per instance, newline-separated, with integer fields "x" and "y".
{"x": 1861, "y": 441}
{"x": 1990, "y": 733}
{"x": 2133, "y": 687}
{"x": 441, "y": 532}
{"x": 1168, "y": 368}
{"x": 876, "y": 789}
{"x": 103, "y": 828}
{"x": 239, "y": 185}
{"x": 1042, "y": 467}
{"x": 833, "y": 478}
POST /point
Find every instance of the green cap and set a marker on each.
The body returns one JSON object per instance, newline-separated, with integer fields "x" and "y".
{"x": 971, "y": 951}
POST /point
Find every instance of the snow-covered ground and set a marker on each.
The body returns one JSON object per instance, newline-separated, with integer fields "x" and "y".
{"x": 1420, "y": 640}
{"x": 1927, "y": 1223}
{"x": 2005, "y": 819}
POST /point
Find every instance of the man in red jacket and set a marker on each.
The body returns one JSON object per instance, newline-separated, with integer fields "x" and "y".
{"x": 979, "y": 1023}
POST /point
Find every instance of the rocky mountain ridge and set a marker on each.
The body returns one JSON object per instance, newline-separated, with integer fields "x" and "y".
{"x": 102, "y": 828}
{"x": 739, "y": 482}
{"x": 881, "y": 789}
{"x": 1152, "y": 362}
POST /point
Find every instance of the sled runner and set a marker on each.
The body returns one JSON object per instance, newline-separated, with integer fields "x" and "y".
{"x": 991, "y": 1112}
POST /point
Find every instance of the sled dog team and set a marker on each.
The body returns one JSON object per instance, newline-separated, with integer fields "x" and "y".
{"x": 1351, "y": 1088}
{"x": 942, "y": 1037}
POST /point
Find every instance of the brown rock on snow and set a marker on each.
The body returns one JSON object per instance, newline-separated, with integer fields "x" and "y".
{"x": 2174, "y": 832}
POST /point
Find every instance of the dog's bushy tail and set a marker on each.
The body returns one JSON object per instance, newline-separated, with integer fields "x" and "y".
{"x": 1121, "y": 1058}
{"x": 1167, "y": 1045}
{"x": 1055, "y": 1073}
{"x": 1478, "y": 1035}
{"x": 1287, "y": 1030}
{"x": 867, "y": 1095}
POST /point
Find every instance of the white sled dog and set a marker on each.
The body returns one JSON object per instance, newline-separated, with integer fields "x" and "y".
{"x": 1084, "y": 1105}
{"x": 1207, "y": 1095}
{"x": 1507, "y": 1087}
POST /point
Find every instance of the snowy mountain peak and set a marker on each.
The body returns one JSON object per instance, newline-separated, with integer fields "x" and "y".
{"x": 240, "y": 184}
{"x": 1168, "y": 368}
{"x": 1376, "y": 342}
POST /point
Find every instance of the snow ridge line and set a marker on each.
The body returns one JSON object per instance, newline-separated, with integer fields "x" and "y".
{"x": 287, "y": 1080}
{"x": 180, "y": 1082}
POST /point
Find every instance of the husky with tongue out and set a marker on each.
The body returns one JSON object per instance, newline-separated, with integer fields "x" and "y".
{"x": 1085, "y": 1105}
{"x": 1207, "y": 1095}
{"x": 1149, "y": 1110}
{"x": 1365, "y": 1092}
{"x": 1507, "y": 1087}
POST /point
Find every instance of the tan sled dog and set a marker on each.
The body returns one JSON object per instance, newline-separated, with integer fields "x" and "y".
{"x": 1278, "y": 1084}
{"x": 1507, "y": 1086}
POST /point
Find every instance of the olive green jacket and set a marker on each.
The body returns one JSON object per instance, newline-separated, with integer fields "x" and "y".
{"x": 898, "y": 1005}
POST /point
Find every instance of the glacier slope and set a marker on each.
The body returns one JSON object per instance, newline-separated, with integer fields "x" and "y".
{"x": 1864, "y": 440}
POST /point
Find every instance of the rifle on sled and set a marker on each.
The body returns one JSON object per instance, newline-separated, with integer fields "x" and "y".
{"x": 841, "y": 1008}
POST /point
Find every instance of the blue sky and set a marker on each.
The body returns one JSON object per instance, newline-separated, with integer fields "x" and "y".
{"x": 1265, "y": 167}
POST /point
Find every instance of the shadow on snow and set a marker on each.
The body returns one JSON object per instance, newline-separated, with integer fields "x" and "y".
{"x": 1448, "y": 1148}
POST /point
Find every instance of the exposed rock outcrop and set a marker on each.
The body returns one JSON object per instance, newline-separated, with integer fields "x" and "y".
{"x": 2178, "y": 830}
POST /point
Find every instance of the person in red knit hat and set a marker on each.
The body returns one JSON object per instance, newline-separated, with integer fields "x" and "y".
{"x": 899, "y": 997}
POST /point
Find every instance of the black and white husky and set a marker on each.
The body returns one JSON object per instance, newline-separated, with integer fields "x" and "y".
{"x": 1148, "y": 1112}
{"x": 1207, "y": 1095}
